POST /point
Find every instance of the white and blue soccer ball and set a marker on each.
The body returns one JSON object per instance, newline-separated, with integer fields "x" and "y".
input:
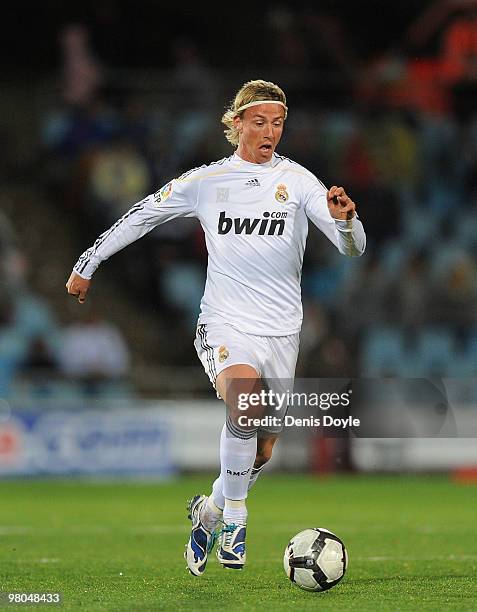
{"x": 315, "y": 559}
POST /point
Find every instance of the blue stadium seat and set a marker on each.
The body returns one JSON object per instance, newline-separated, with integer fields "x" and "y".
{"x": 435, "y": 352}
{"x": 420, "y": 230}
{"x": 383, "y": 352}
{"x": 443, "y": 256}
{"x": 183, "y": 283}
{"x": 467, "y": 363}
{"x": 394, "y": 258}
{"x": 466, "y": 231}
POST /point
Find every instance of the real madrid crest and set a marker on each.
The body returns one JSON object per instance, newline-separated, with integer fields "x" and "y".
{"x": 281, "y": 194}
{"x": 223, "y": 353}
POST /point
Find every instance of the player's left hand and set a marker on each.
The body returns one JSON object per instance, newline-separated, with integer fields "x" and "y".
{"x": 340, "y": 205}
{"x": 78, "y": 286}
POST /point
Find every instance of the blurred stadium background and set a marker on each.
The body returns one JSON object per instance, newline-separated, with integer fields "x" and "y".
{"x": 103, "y": 102}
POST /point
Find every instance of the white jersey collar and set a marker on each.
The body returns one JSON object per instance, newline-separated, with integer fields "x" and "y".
{"x": 252, "y": 166}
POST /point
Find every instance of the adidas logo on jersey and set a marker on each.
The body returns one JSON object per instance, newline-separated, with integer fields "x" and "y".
{"x": 271, "y": 224}
{"x": 253, "y": 183}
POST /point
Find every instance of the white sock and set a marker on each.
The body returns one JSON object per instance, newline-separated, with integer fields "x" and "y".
{"x": 217, "y": 493}
{"x": 210, "y": 514}
{"x": 237, "y": 457}
{"x": 217, "y": 489}
{"x": 254, "y": 475}
{"x": 235, "y": 511}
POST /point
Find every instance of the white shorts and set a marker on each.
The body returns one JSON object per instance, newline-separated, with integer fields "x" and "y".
{"x": 220, "y": 346}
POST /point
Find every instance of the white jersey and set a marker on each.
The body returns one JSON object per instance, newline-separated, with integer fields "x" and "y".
{"x": 255, "y": 220}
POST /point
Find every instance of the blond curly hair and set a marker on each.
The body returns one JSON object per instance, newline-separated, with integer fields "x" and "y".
{"x": 252, "y": 91}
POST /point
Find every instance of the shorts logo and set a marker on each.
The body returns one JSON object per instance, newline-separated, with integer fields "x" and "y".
{"x": 223, "y": 353}
{"x": 281, "y": 194}
{"x": 163, "y": 193}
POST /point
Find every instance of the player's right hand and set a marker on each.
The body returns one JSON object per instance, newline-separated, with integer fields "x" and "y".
{"x": 78, "y": 286}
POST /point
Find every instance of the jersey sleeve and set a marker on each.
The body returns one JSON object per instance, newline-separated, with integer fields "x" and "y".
{"x": 348, "y": 236}
{"x": 178, "y": 198}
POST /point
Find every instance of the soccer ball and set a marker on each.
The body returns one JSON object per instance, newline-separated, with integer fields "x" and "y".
{"x": 315, "y": 559}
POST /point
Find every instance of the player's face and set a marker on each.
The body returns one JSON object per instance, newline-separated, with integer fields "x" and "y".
{"x": 260, "y": 130}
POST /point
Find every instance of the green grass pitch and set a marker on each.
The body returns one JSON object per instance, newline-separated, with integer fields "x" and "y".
{"x": 412, "y": 543}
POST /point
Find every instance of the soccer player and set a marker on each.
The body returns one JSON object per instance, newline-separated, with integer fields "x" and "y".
{"x": 254, "y": 208}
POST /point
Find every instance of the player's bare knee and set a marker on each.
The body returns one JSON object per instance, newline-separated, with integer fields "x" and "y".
{"x": 240, "y": 386}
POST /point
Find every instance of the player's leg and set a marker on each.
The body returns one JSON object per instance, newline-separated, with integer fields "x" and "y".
{"x": 223, "y": 348}
{"x": 231, "y": 551}
{"x": 263, "y": 456}
{"x": 238, "y": 449}
{"x": 238, "y": 443}
{"x": 279, "y": 363}
{"x": 278, "y": 369}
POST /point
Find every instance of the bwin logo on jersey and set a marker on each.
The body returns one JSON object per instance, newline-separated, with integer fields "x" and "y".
{"x": 267, "y": 225}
